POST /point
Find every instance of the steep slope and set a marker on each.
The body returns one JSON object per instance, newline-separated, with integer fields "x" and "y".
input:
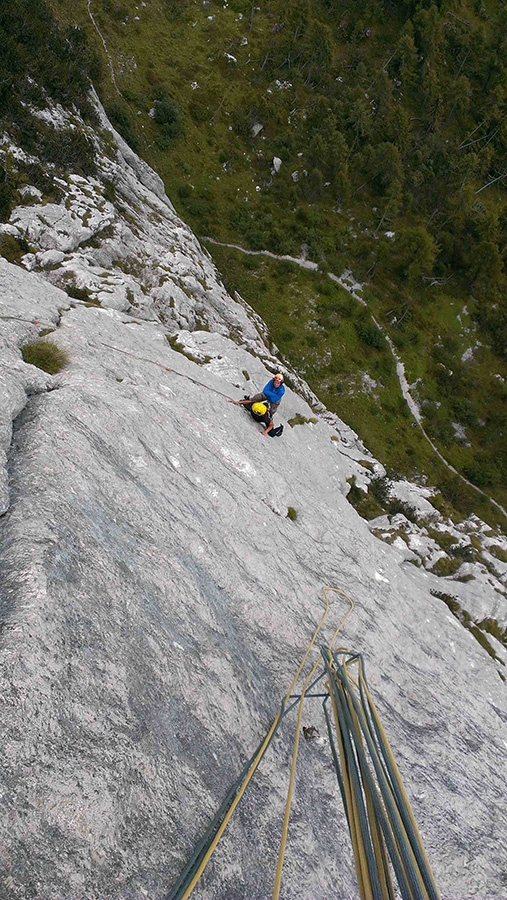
{"x": 156, "y": 599}
{"x": 156, "y": 603}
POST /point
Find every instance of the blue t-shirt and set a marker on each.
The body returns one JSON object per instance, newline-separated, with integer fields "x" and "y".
{"x": 273, "y": 394}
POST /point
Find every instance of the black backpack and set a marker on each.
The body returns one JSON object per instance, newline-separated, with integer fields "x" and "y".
{"x": 276, "y": 432}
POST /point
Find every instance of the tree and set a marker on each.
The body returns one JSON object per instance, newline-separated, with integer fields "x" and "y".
{"x": 415, "y": 252}
{"x": 386, "y": 166}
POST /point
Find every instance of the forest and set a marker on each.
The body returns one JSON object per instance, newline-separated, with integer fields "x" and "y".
{"x": 389, "y": 122}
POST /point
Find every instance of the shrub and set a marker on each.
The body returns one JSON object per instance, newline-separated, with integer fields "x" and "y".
{"x": 298, "y": 419}
{"x": 292, "y": 513}
{"x": 166, "y": 113}
{"x": 499, "y": 552}
{"x": 77, "y": 293}
{"x": 445, "y": 567}
{"x": 369, "y": 334}
{"x": 6, "y": 199}
{"x": 401, "y": 506}
{"x": 366, "y": 505}
{"x": 493, "y": 628}
{"x": 119, "y": 118}
{"x": 379, "y": 487}
{"x": 46, "y": 355}
{"x": 68, "y": 148}
{"x": 10, "y": 249}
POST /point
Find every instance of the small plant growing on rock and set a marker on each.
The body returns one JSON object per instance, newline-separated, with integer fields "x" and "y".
{"x": 292, "y": 513}
{"x": 46, "y": 355}
{"x": 298, "y": 419}
{"x": 10, "y": 249}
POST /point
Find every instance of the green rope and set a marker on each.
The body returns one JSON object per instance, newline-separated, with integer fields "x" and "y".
{"x": 382, "y": 827}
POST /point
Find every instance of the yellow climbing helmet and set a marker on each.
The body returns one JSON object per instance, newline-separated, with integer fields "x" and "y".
{"x": 259, "y": 408}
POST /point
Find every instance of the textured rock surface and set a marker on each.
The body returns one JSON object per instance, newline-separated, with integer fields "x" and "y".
{"x": 155, "y": 603}
{"x": 155, "y": 599}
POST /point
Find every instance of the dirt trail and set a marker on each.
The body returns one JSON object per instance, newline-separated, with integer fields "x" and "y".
{"x": 347, "y": 282}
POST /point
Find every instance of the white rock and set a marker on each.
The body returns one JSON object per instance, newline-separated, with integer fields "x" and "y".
{"x": 49, "y": 258}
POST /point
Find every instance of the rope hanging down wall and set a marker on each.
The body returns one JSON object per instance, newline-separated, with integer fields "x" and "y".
{"x": 384, "y": 835}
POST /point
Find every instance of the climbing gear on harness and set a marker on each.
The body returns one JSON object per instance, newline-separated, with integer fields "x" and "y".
{"x": 276, "y": 432}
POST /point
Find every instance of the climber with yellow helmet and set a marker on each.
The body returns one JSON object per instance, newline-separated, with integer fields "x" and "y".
{"x": 264, "y": 404}
{"x": 259, "y": 410}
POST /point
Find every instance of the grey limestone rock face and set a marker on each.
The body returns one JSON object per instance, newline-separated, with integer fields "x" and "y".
{"x": 155, "y": 600}
{"x": 155, "y": 603}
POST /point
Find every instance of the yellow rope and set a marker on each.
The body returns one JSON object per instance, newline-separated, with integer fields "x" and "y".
{"x": 255, "y": 763}
{"x": 290, "y": 790}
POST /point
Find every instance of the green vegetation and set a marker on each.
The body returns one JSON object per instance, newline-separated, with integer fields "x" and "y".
{"x": 445, "y": 567}
{"x": 365, "y": 503}
{"x": 178, "y": 347}
{"x": 388, "y": 118}
{"x": 477, "y": 629}
{"x": 46, "y": 355}
{"x": 11, "y": 249}
{"x": 498, "y": 552}
{"x": 292, "y": 513}
{"x": 41, "y": 59}
{"x": 299, "y": 419}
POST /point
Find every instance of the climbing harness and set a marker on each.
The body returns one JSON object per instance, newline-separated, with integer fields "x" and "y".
{"x": 381, "y": 824}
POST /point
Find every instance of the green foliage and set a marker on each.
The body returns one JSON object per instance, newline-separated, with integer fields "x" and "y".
{"x": 178, "y": 347}
{"x": 72, "y": 290}
{"x": 445, "y": 567}
{"x": 117, "y": 113}
{"x": 369, "y": 333}
{"x": 10, "y": 249}
{"x": 401, "y": 506}
{"x": 365, "y": 504}
{"x": 397, "y": 111}
{"x": 36, "y": 53}
{"x": 492, "y": 627}
{"x": 46, "y": 355}
{"x": 498, "y": 552}
{"x": 292, "y": 513}
{"x": 488, "y": 625}
{"x": 299, "y": 419}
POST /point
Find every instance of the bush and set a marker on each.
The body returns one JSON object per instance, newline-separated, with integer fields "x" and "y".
{"x": 369, "y": 334}
{"x": 67, "y": 148}
{"x": 167, "y": 115}
{"x": 77, "y": 293}
{"x": 379, "y": 487}
{"x": 46, "y": 355}
{"x": 298, "y": 419}
{"x": 292, "y": 513}
{"x": 119, "y": 118}
{"x": 445, "y": 567}
{"x": 401, "y": 506}
{"x": 10, "y": 249}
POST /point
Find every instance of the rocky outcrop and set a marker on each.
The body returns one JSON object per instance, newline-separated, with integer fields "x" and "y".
{"x": 156, "y": 598}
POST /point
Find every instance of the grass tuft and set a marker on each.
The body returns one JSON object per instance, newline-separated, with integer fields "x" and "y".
{"x": 46, "y": 355}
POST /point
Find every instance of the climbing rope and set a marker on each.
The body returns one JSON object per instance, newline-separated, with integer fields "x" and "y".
{"x": 384, "y": 835}
{"x": 380, "y": 819}
{"x": 204, "y": 850}
{"x": 165, "y": 369}
{"x": 285, "y": 829}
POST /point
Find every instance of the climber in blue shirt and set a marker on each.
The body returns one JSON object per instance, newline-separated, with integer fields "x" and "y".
{"x": 272, "y": 392}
